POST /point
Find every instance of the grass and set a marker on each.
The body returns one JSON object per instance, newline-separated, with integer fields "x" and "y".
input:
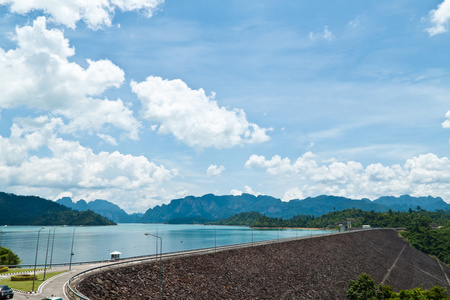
{"x": 26, "y": 286}
{"x": 17, "y": 270}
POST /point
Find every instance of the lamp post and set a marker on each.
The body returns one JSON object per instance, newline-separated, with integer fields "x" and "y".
{"x": 48, "y": 243}
{"x": 71, "y": 250}
{"x": 1, "y": 237}
{"x": 35, "y": 259}
{"x": 160, "y": 262}
{"x": 51, "y": 253}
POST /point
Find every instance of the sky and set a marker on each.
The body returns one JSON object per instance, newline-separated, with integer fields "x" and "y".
{"x": 139, "y": 102}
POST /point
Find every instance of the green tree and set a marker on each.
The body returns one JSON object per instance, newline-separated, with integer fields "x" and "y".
{"x": 364, "y": 288}
{"x": 7, "y": 257}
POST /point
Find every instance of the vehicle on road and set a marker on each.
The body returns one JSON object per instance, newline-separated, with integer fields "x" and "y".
{"x": 6, "y": 292}
{"x": 53, "y": 298}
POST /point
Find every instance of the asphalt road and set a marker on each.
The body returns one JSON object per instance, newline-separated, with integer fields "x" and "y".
{"x": 55, "y": 285}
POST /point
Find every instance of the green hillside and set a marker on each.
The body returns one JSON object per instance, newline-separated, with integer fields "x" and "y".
{"x": 358, "y": 217}
{"x": 242, "y": 219}
{"x": 32, "y": 210}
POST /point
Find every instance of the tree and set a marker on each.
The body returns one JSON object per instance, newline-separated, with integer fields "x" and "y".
{"x": 364, "y": 288}
{"x": 7, "y": 257}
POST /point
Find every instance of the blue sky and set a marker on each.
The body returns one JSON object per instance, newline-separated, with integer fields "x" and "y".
{"x": 142, "y": 101}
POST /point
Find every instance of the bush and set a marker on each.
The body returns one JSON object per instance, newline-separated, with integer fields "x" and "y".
{"x": 7, "y": 257}
{"x": 4, "y": 269}
{"x": 22, "y": 277}
{"x": 364, "y": 288}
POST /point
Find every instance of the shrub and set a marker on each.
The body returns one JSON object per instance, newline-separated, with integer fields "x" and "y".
{"x": 22, "y": 277}
{"x": 4, "y": 269}
{"x": 364, "y": 288}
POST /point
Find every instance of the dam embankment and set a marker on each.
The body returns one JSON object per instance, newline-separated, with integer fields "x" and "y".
{"x": 314, "y": 268}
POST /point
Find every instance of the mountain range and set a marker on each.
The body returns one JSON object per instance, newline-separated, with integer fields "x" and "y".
{"x": 104, "y": 208}
{"x": 212, "y": 207}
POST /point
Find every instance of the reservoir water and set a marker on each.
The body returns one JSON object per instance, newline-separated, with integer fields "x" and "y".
{"x": 97, "y": 242}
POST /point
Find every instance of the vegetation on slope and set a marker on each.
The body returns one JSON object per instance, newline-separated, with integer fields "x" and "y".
{"x": 435, "y": 242}
{"x": 31, "y": 210}
{"x": 242, "y": 219}
{"x": 85, "y": 218}
{"x": 358, "y": 218}
{"x": 364, "y": 288}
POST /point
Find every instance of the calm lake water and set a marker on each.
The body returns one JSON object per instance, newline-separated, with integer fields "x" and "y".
{"x": 97, "y": 242}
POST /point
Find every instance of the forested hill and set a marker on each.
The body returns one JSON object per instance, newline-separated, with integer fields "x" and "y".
{"x": 104, "y": 208}
{"x": 212, "y": 207}
{"x": 358, "y": 218}
{"x": 32, "y": 210}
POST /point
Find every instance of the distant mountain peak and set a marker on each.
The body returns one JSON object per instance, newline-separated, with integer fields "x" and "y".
{"x": 102, "y": 207}
{"x": 214, "y": 207}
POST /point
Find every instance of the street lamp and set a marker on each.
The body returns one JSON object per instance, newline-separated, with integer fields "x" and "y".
{"x": 35, "y": 259}
{"x": 1, "y": 237}
{"x": 160, "y": 262}
{"x": 71, "y": 250}
{"x": 48, "y": 242}
{"x": 51, "y": 253}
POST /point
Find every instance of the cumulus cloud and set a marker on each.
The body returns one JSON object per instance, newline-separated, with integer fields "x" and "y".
{"x": 446, "y": 123}
{"x": 214, "y": 170}
{"x": 423, "y": 175}
{"x": 37, "y": 74}
{"x": 95, "y": 13}
{"x": 247, "y": 190}
{"x": 235, "y": 192}
{"x": 293, "y": 193}
{"x": 70, "y": 167}
{"x": 277, "y": 165}
{"x": 325, "y": 34}
{"x": 440, "y": 18}
{"x": 107, "y": 138}
{"x": 193, "y": 117}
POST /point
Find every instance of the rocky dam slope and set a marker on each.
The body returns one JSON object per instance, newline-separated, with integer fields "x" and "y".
{"x": 314, "y": 268}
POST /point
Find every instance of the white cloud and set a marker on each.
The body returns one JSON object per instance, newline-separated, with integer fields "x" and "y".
{"x": 247, "y": 190}
{"x": 354, "y": 23}
{"x": 293, "y": 193}
{"x": 250, "y": 191}
{"x": 38, "y": 75}
{"x": 440, "y": 18}
{"x": 107, "y": 138}
{"x": 192, "y": 117}
{"x": 70, "y": 167}
{"x": 325, "y": 34}
{"x": 214, "y": 170}
{"x": 419, "y": 176}
{"x": 446, "y": 123}
{"x": 235, "y": 192}
{"x": 277, "y": 166}
{"x": 95, "y": 13}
